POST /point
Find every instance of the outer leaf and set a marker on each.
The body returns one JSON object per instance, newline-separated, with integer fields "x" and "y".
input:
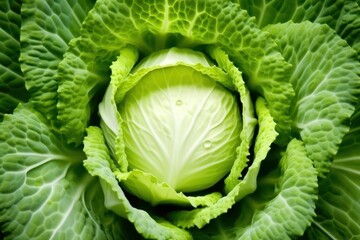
{"x": 12, "y": 87}
{"x": 292, "y": 210}
{"x": 154, "y": 25}
{"x": 341, "y": 15}
{"x": 45, "y": 192}
{"x": 99, "y": 163}
{"x": 275, "y": 11}
{"x": 326, "y": 81}
{"x": 281, "y": 208}
{"x": 348, "y": 24}
{"x": 338, "y": 208}
{"x": 47, "y": 27}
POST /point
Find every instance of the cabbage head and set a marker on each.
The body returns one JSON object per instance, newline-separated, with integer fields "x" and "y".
{"x": 176, "y": 119}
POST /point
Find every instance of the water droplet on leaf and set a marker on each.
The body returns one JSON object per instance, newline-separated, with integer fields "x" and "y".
{"x": 207, "y": 144}
{"x": 179, "y": 102}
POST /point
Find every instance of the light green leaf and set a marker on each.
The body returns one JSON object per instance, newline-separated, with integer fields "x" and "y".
{"x": 326, "y": 81}
{"x": 47, "y": 27}
{"x": 167, "y": 58}
{"x": 248, "y": 117}
{"x": 150, "y": 189}
{"x": 99, "y": 163}
{"x": 110, "y": 119}
{"x": 338, "y": 208}
{"x": 12, "y": 87}
{"x": 45, "y": 191}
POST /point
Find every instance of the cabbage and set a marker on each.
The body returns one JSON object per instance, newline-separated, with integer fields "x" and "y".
{"x": 166, "y": 127}
{"x": 179, "y": 119}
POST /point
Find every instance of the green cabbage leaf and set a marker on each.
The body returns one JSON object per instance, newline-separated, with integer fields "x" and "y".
{"x": 12, "y": 86}
{"x": 175, "y": 119}
{"x": 46, "y": 193}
